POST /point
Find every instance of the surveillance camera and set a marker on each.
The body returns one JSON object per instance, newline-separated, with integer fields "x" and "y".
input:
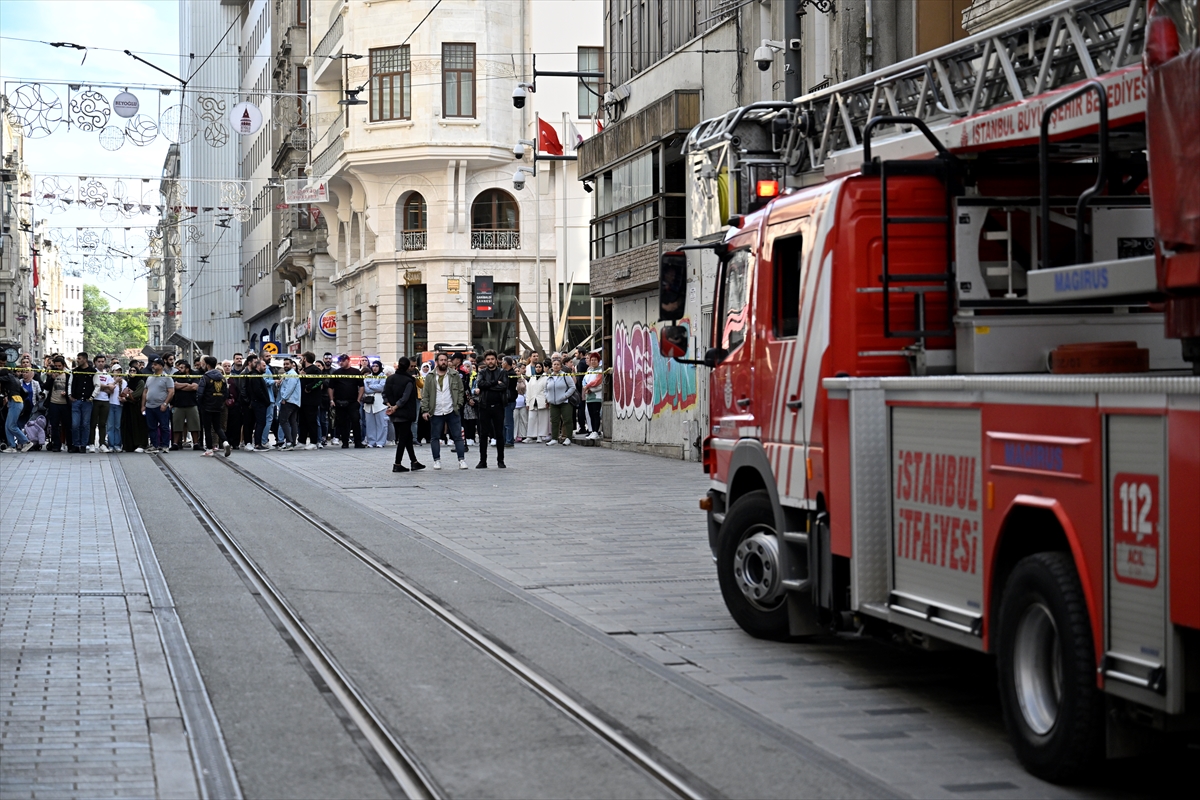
{"x": 518, "y": 96}
{"x": 518, "y": 151}
{"x": 764, "y": 57}
{"x": 519, "y": 179}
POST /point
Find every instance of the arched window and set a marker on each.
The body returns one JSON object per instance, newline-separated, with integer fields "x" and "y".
{"x": 495, "y": 221}
{"x": 412, "y": 222}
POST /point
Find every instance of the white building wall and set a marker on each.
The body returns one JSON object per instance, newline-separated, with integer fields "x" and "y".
{"x": 450, "y": 162}
{"x": 210, "y": 294}
{"x": 72, "y": 330}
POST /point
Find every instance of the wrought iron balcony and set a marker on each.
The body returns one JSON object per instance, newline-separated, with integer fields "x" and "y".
{"x": 331, "y": 38}
{"x": 495, "y": 240}
{"x": 413, "y": 240}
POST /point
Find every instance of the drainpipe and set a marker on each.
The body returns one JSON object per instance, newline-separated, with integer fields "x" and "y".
{"x": 870, "y": 66}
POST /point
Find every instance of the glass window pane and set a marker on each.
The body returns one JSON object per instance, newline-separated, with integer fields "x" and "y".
{"x": 451, "y": 94}
{"x": 735, "y": 293}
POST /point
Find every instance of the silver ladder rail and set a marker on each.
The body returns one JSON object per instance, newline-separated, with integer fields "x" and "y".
{"x": 1049, "y": 48}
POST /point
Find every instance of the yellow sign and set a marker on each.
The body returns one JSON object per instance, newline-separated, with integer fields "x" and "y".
{"x": 270, "y": 348}
{"x": 452, "y": 285}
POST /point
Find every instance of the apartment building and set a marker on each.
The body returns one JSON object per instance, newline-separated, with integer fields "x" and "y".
{"x": 210, "y": 264}
{"x": 18, "y": 315}
{"x": 414, "y": 135}
{"x": 669, "y": 66}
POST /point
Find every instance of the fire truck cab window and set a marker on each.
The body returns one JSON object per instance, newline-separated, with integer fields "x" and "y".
{"x": 786, "y": 297}
{"x": 735, "y": 296}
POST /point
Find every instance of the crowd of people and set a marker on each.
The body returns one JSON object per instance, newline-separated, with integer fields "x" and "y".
{"x": 162, "y": 403}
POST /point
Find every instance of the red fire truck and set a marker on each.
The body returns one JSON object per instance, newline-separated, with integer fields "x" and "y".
{"x": 950, "y": 394}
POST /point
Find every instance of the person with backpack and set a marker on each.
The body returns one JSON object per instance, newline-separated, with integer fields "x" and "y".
{"x": 211, "y": 392}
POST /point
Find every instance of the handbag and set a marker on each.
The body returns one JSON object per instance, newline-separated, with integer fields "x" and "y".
{"x": 369, "y": 400}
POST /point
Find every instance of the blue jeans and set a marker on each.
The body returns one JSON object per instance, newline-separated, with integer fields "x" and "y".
{"x": 114, "y": 425}
{"x": 81, "y": 422}
{"x": 509, "y": 427}
{"x": 455, "y": 425}
{"x": 12, "y": 429}
{"x": 159, "y": 423}
{"x": 322, "y": 423}
{"x": 266, "y": 431}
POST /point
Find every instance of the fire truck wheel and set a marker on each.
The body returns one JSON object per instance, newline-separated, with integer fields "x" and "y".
{"x": 748, "y": 567}
{"x": 1047, "y": 667}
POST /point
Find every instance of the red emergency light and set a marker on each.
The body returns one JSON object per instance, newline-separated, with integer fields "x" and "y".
{"x": 766, "y": 189}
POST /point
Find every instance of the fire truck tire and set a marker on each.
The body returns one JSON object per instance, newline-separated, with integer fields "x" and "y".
{"x": 745, "y": 546}
{"x": 1047, "y": 669}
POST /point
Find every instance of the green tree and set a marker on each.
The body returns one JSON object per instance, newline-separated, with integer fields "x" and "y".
{"x": 111, "y": 332}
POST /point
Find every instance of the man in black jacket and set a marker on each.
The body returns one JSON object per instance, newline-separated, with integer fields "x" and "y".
{"x": 312, "y": 387}
{"x": 254, "y": 387}
{"x": 346, "y": 392}
{"x": 491, "y": 390}
{"x": 80, "y": 396}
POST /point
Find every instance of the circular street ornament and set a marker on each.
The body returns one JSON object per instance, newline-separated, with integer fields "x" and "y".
{"x": 216, "y": 134}
{"x": 126, "y": 105}
{"x": 141, "y": 130}
{"x": 112, "y": 137}
{"x": 245, "y": 118}
{"x": 179, "y": 124}
{"x": 89, "y": 110}
{"x": 38, "y": 108}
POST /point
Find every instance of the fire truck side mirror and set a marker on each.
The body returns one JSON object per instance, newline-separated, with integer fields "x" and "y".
{"x": 673, "y": 341}
{"x": 672, "y": 286}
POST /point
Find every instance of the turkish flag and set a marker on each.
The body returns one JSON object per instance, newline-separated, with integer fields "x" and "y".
{"x": 548, "y": 139}
{"x": 35, "y": 269}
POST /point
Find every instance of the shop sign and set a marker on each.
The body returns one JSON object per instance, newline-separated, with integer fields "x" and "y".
{"x": 328, "y": 323}
{"x": 299, "y": 191}
{"x": 126, "y": 105}
{"x": 484, "y": 292}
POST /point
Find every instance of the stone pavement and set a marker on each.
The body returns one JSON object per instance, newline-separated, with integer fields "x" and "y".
{"x": 88, "y": 706}
{"x": 616, "y": 540}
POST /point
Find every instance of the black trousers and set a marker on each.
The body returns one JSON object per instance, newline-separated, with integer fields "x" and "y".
{"x": 308, "y": 423}
{"x": 247, "y": 432}
{"x": 404, "y": 441}
{"x": 347, "y": 421}
{"x": 233, "y": 423}
{"x": 210, "y": 424}
{"x": 491, "y": 424}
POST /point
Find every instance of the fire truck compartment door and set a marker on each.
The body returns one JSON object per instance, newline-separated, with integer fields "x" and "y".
{"x": 1140, "y": 647}
{"x": 937, "y": 525}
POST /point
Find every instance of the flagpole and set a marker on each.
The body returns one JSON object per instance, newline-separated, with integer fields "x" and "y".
{"x": 537, "y": 211}
{"x": 564, "y": 304}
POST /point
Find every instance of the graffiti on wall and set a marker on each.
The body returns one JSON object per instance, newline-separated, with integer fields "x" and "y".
{"x": 645, "y": 384}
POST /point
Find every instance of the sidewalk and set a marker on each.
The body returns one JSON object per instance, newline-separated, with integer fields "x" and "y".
{"x": 88, "y": 706}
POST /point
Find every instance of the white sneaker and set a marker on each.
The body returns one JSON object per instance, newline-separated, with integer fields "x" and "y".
{"x": 437, "y": 465}
{"x": 337, "y": 441}
{"x": 551, "y": 443}
{"x": 90, "y": 448}
{"x": 594, "y": 435}
{"x": 566, "y": 442}
{"x": 140, "y": 450}
{"x": 208, "y": 453}
{"x": 462, "y": 464}
{"x": 227, "y": 448}
{"x": 310, "y": 446}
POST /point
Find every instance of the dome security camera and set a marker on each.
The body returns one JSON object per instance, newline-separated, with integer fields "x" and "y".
{"x": 519, "y": 179}
{"x": 518, "y": 96}
{"x": 763, "y": 57}
{"x": 518, "y": 151}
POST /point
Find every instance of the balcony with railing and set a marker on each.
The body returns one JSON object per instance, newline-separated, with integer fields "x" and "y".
{"x": 412, "y": 240}
{"x": 329, "y": 147}
{"x": 482, "y": 239}
{"x": 324, "y": 54}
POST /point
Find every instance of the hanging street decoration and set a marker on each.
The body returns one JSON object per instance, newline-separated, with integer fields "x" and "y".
{"x": 126, "y": 105}
{"x": 245, "y": 118}
{"x": 89, "y": 110}
{"x": 211, "y": 118}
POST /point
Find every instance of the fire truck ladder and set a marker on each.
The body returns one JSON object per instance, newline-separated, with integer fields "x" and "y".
{"x": 1055, "y": 46}
{"x": 945, "y": 168}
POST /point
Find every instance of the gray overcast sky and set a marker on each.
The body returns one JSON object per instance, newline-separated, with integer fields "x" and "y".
{"x": 139, "y": 25}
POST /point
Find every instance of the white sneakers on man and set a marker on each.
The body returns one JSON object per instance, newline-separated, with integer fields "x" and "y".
{"x": 462, "y": 464}
{"x": 552, "y": 442}
{"x": 566, "y": 442}
{"x": 437, "y": 465}
{"x": 594, "y": 435}
{"x": 310, "y": 446}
